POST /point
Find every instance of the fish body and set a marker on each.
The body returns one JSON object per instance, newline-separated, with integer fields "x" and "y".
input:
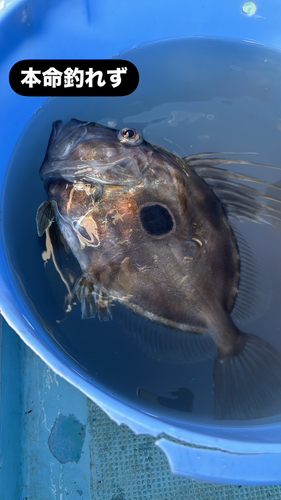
{"x": 148, "y": 232}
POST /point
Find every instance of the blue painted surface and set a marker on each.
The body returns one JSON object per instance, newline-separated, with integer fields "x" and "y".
{"x": 10, "y": 415}
{"x": 32, "y": 29}
{"x": 33, "y": 400}
{"x": 66, "y": 439}
{"x": 114, "y": 464}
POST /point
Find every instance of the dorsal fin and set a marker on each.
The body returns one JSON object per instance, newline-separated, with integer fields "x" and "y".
{"x": 239, "y": 199}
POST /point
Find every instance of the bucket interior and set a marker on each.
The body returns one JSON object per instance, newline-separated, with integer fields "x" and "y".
{"x": 196, "y": 95}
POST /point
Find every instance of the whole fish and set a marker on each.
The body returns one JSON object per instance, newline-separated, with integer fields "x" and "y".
{"x": 149, "y": 232}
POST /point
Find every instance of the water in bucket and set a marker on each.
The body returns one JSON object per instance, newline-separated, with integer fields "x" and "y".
{"x": 194, "y": 96}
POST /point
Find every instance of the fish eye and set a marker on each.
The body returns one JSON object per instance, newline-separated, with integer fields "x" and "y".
{"x": 128, "y": 133}
{"x": 129, "y": 136}
{"x": 156, "y": 220}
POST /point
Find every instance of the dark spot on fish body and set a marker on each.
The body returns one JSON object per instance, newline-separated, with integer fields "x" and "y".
{"x": 156, "y": 219}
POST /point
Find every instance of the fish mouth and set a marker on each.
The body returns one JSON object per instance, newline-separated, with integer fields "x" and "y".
{"x": 88, "y": 152}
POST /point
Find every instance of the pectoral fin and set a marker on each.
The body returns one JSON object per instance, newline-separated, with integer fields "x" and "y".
{"x": 44, "y": 217}
{"x": 94, "y": 300}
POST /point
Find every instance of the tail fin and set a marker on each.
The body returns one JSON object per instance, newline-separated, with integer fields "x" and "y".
{"x": 248, "y": 385}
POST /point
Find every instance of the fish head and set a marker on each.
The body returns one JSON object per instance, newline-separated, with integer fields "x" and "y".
{"x": 87, "y": 161}
{"x": 141, "y": 224}
{"x": 89, "y": 152}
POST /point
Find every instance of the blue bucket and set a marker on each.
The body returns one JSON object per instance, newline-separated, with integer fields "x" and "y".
{"x": 99, "y": 30}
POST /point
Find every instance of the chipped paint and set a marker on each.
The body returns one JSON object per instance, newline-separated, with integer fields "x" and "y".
{"x": 66, "y": 439}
